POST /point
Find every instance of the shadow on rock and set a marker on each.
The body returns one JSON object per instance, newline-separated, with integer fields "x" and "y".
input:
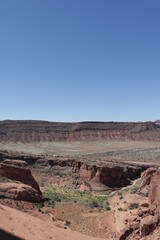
{"x": 7, "y": 236}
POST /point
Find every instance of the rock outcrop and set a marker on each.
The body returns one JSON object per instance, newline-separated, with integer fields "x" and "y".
{"x": 18, "y": 170}
{"x": 150, "y": 183}
{"x": 143, "y": 219}
{"x": 19, "y": 191}
{"x": 109, "y": 176}
{"x": 154, "y": 193}
{"x": 145, "y": 180}
{"x": 23, "y": 185}
{"x": 147, "y": 225}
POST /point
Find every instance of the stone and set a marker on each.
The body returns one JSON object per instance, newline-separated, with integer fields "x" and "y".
{"x": 18, "y": 170}
{"x": 19, "y": 191}
{"x": 147, "y": 225}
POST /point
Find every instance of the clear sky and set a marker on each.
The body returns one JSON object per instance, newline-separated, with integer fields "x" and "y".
{"x": 79, "y": 60}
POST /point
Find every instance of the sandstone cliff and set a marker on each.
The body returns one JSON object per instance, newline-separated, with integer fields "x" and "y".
{"x": 19, "y": 183}
{"x": 36, "y": 131}
{"x": 18, "y": 170}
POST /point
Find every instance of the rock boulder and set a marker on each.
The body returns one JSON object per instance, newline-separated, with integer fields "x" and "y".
{"x": 19, "y": 191}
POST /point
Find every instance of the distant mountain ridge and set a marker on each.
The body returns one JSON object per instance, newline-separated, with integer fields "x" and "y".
{"x": 39, "y": 131}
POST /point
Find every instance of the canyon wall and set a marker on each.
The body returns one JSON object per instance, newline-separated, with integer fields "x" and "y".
{"x": 39, "y": 131}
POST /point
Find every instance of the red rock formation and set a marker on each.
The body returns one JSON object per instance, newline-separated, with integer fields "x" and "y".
{"x": 154, "y": 192}
{"x": 146, "y": 179}
{"x": 126, "y": 231}
{"x": 147, "y": 225}
{"x": 150, "y": 183}
{"x": 150, "y": 186}
{"x": 36, "y": 131}
{"x": 19, "y": 191}
{"x": 18, "y": 170}
{"x": 111, "y": 176}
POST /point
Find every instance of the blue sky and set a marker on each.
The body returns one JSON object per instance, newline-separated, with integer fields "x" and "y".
{"x": 79, "y": 60}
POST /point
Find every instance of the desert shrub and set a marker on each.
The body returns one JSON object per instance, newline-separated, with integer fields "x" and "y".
{"x": 133, "y": 206}
{"x": 68, "y": 223}
{"x": 94, "y": 204}
{"x": 87, "y": 185}
{"x": 41, "y": 205}
{"x": 119, "y": 193}
{"x": 53, "y": 196}
{"x": 108, "y": 208}
{"x": 120, "y": 209}
{"x": 42, "y": 184}
{"x": 134, "y": 189}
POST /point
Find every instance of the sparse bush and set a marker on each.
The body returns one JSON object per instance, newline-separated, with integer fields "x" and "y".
{"x": 119, "y": 193}
{"x": 68, "y": 223}
{"x": 87, "y": 184}
{"x": 120, "y": 209}
{"x": 39, "y": 210}
{"x": 107, "y": 206}
{"x": 134, "y": 189}
{"x": 95, "y": 204}
{"x": 41, "y": 205}
{"x": 133, "y": 206}
{"x": 42, "y": 184}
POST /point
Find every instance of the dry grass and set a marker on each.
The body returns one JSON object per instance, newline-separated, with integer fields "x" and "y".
{"x": 77, "y": 148}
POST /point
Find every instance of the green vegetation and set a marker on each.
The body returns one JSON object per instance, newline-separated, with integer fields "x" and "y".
{"x": 68, "y": 223}
{"x": 41, "y": 205}
{"x": 88, "y": 198}
{"x": 135, "y": 187}
{"x": 42, "y": 184}
{"x": 120, "y": 195}
{"x": 120, "y": 209}
{"x": 133, "y": 206}
{"x": 87, "y": 185}
{"x": 107, "y": 206}
{"x": 95, "y": 204}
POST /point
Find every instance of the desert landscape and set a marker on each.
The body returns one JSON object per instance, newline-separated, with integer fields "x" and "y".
{"x": 79, "y": 120}
{"x": 89, "y": 180}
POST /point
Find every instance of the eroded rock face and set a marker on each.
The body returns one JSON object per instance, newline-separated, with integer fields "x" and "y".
{"x": 150, "y": 186}
{"x": 146, "y": 179}
{"x": 110, "y": 176}
{"x": 147, "y": 225}
{"x": 154, "y": 192}
{"x": 18, "y": 170}
{"x": 19, "y": 191}
{"x": 126, "y": 231}
{"x": 36, "y": 131}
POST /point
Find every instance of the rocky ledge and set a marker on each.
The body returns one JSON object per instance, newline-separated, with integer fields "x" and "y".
{"x": 24, "y": 187}
{"x": 19, "y": 191}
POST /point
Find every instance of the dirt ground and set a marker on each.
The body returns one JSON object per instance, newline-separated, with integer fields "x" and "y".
{"x": 118, "y": 150}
